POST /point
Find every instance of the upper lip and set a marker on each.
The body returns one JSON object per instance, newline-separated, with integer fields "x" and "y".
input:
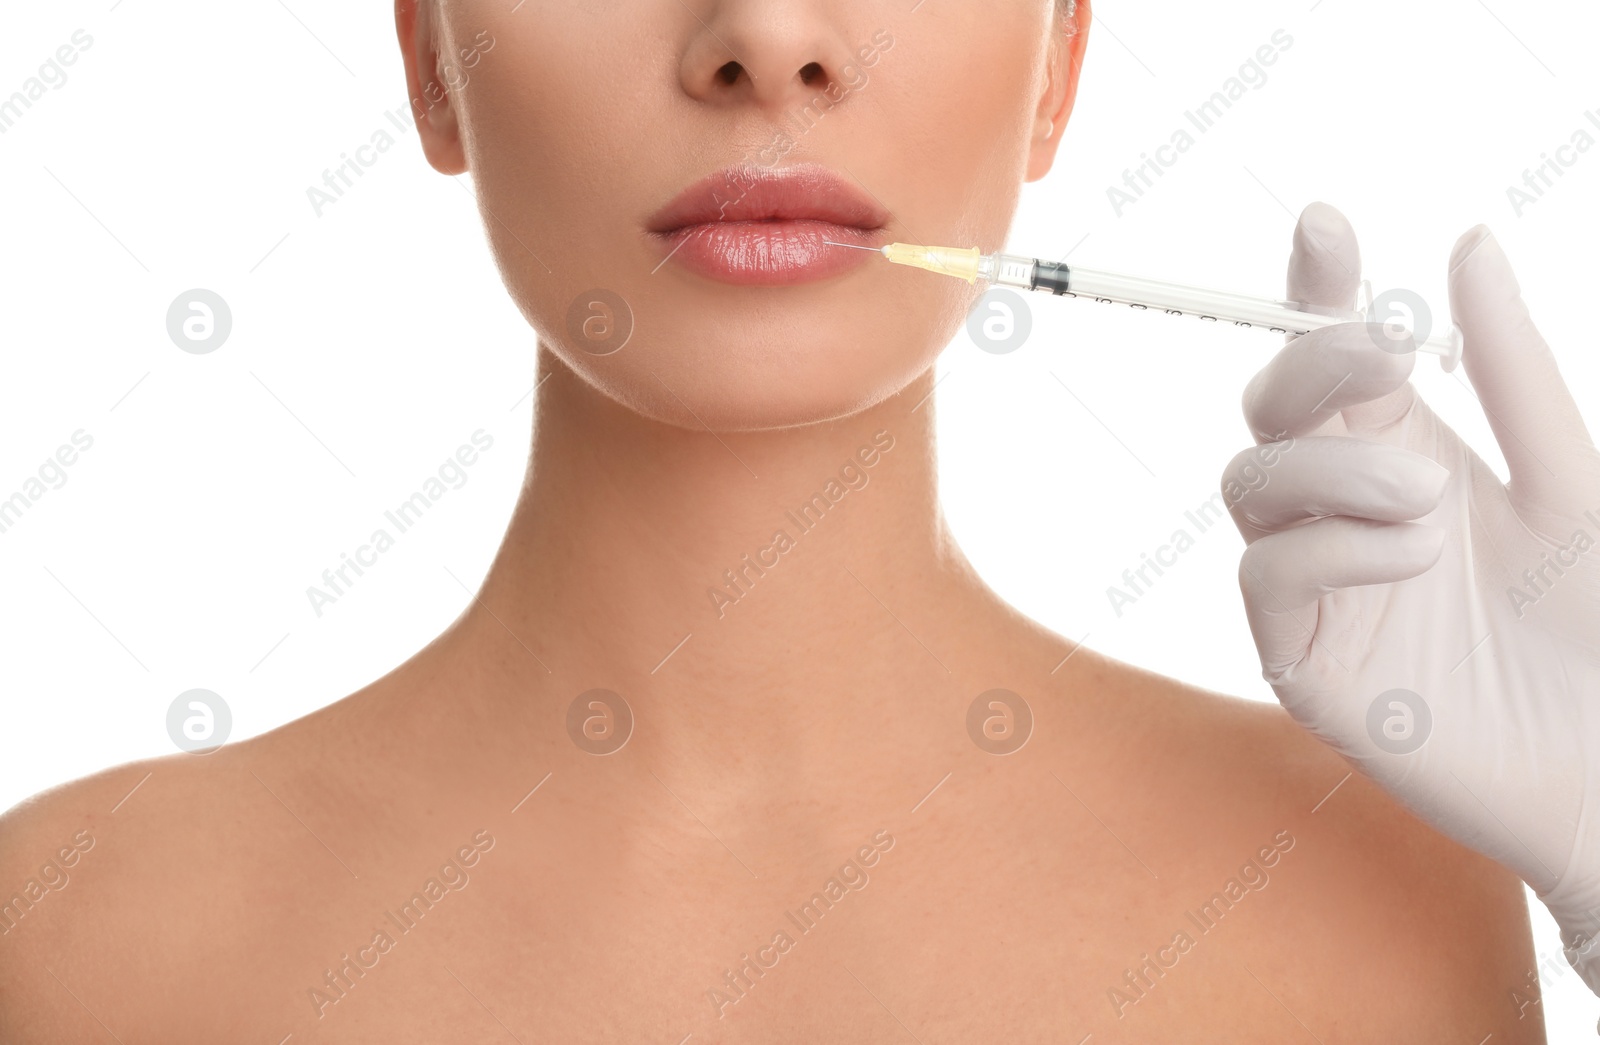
{"x": 806, "y": 192}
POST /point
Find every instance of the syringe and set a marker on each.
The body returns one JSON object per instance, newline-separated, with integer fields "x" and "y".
{"x": 1011, "y": 270}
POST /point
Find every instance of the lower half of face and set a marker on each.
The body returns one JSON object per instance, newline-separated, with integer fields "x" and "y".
{"x": 656, "y": 180}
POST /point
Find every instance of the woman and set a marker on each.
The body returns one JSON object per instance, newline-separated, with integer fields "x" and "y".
{"x": 733, "y": 743}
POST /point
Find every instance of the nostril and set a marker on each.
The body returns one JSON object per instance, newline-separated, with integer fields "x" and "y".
{"x": 729, "y": 74}
{"x": 810, "y": 74}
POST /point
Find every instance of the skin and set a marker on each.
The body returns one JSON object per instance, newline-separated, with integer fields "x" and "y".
{"x": 826, "y": 707}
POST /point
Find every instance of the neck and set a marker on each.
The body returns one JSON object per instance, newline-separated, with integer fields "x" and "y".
{"x": 752, "y": 550}
{"x": 783, "y": 612}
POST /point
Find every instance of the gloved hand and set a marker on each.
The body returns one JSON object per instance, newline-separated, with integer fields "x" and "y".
{"x": 1437, "y": 627}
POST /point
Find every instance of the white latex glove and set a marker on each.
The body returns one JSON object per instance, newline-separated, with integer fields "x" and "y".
{"x": 1349, "y": 601}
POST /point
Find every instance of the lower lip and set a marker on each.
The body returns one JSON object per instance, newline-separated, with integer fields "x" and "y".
{"x": 768, "y": 253}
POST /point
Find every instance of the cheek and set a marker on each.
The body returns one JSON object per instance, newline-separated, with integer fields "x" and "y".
{"x": 964, "y": 117}
{"x": 555, "y": 158}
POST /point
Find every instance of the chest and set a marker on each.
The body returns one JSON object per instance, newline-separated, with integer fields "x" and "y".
{"x": 1003, "y": 930}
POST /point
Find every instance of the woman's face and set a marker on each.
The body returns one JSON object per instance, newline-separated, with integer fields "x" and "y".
{"x": 787, "y": 122}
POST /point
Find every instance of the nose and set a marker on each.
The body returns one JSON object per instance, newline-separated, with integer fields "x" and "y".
{"x": 775, "y": 53}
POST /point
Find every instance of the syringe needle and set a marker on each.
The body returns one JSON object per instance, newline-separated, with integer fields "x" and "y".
{"x": 852, "y": 246}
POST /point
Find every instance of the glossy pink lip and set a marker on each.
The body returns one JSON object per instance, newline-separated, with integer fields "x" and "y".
{"x": 760, "y": 226}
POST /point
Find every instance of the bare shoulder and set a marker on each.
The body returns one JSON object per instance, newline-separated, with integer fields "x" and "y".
{"x": 56, "y": 841}
{"x": 50, "y": 840}
{"x": 176, "y": 861}
{"x": 1374, "y": 904}
{"x": 234, "y": 869}
{"x": 145, "y": 827}
{"x": 71, "y": 861}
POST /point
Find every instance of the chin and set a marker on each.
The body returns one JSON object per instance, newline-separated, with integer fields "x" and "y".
{"x": 751, "y": 359}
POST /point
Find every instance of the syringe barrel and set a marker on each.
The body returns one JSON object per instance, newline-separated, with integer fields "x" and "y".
{"x": 1011, "y": 270}
{"x": 1285, "y": 317}
{"x": 1240, "y": 309}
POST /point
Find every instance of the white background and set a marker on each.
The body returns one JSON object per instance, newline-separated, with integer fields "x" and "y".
{"x": 219, "y": 487}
